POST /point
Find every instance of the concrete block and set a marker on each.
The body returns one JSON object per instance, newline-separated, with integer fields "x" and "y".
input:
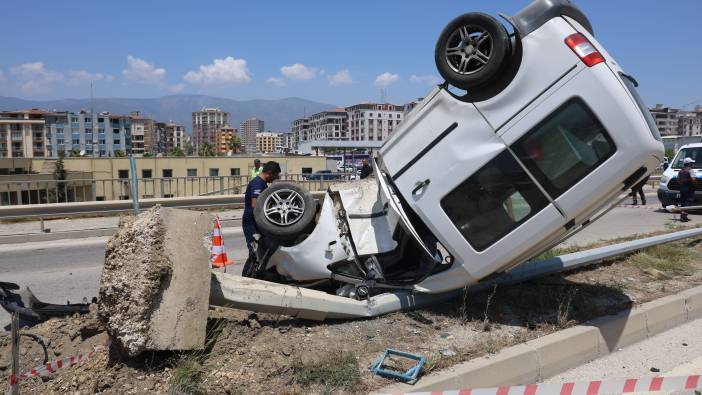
{"x": 511, "y": 366}
{"x": 565, "y": 349}
{"x": 693, "y": 302}
{"x": 155, "y": 283}
{"x": 664, "y": 313}
{"x": 620, "y": 330}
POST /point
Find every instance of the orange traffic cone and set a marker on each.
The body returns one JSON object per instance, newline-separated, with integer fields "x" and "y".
{"x": 217, "y": 254}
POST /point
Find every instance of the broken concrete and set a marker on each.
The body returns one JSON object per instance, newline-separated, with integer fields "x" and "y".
{"x": 155, "y": 284}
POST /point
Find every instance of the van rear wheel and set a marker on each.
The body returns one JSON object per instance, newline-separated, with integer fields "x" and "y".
{"x": 471, "y": 50}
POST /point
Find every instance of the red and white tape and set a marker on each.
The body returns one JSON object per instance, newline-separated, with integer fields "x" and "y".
{"x": 599, "y": 387}
{"x": 53, "y": 366}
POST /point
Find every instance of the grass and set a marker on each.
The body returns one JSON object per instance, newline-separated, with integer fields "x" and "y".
{"x": 188, "y": 376}
{"x": 671, "y": 259}
{"x": 338, "y": 371}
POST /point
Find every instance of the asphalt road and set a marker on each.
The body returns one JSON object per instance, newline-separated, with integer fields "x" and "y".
{"x": 63, "y": 270}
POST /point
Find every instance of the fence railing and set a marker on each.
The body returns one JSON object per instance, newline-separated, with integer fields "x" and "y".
{"x": 31, "y": 191}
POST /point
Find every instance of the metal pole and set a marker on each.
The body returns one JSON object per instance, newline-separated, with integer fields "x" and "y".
{"x": 135, "y": 187}
{"x": 14, "y": 390}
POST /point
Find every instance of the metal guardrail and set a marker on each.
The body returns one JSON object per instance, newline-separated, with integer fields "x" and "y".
{"x": 119, "y": 206}
{"x": 34, "y": 192}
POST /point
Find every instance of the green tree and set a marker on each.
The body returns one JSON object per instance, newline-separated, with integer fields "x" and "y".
{"x": 75, "y": 153}
{"x": 234, "y": 144}
{"x": 206, "y": 149}
{"x": 60, "y": 177}
{"x": 177, "y": 151}
{"x": 189, "y": 149}
{"x": 147, "y": 155}
{"x": 119, "y": 153}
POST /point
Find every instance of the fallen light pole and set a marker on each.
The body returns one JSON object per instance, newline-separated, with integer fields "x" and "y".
{"x": 262, "y": 296}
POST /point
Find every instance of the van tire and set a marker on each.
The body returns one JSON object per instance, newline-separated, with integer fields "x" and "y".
{"x": 471, "y": 51}
{"x": 284, "y": 211}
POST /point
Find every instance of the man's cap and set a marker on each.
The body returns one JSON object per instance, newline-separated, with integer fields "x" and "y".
{"x": 257, "y": 161}
{"x": 688, "y": 161}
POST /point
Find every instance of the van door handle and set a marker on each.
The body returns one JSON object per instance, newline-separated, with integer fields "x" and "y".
{"x": 420, "y": 186}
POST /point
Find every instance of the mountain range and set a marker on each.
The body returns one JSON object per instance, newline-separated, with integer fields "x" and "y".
{"x": 277, "y": 114}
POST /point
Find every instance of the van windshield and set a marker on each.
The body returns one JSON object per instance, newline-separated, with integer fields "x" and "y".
{"x": 695, "y": 153}
{"x": 631, "y": 86}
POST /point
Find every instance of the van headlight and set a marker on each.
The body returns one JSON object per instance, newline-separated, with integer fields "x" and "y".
{"x": 664, "y": 179}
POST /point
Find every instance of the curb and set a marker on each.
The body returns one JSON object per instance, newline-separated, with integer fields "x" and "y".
{"x": 546, "y": 356}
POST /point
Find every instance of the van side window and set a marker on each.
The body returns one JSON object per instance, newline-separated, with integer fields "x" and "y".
{"x": 565, "y": 147}
{"x": 494, "y": 201}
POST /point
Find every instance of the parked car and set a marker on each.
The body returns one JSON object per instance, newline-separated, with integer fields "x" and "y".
{"x": 326, "y": 175}
{"x": 548, "y": 132}
{"x": 668, "y": 188}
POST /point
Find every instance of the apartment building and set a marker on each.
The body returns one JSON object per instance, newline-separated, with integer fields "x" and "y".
{"x": 173, "y": 137}
{"x": 677, "y": 122}
{"x": 690, "y": 122}
{"x": 144, "y": 135}
{"x": 222, "y": 139}
{"x": 328, "y": 125}
{"x": 248, "y": 131}
{"x": 22, "y": 134}
{"x": 206, "y": 122}
{"x": 267, "y": 142}
{"x": 373, "y": 121}
{"x": 300, "y": 131}
{"x": 287, "y": 142}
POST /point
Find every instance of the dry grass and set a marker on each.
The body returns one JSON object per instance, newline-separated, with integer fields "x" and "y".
{"x": 675, "y": 259}
{"x": 338, "y": 371}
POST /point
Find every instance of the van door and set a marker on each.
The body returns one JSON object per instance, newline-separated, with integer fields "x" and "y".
{"x": 473, "y": 195}
{"x": 580, "y": 147}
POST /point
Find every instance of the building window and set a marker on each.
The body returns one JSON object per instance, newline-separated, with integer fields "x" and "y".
{"x": 167, "y": 173}
{"x": 214, "y": 172}
{"x": 145, "y": 173}
{"x": 192, "y": 172}
{"x": 123, "y": 174}
{"x": 306, "y": 170}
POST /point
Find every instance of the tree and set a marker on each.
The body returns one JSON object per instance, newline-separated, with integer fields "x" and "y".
{"x": 234, "y": 144}
{"x": 206, "y": 149}
{"x": 189, "y": 150}
{"x": 147, "y": 155}
{"x": 177, "y": 151}
{"x": 75, "y": 153}
{"x": 60, "y": 176}
{"x": 119, "y": 153}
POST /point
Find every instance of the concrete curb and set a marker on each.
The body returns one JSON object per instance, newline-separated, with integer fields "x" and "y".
{"x": 544, "y": 357}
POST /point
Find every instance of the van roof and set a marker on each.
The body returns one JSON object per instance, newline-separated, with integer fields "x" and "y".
{"x": 692, "y": 145}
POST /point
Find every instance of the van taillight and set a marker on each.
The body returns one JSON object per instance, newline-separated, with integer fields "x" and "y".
{"x": 584, "y": 49}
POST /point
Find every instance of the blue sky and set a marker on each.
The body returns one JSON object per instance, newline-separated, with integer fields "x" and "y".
{"x": 333, "y": 52}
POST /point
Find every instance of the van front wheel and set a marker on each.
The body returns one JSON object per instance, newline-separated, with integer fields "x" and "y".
{"x": 471, "y": 50}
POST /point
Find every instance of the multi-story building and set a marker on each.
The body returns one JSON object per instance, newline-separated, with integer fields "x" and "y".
{"x": 329, "y": 125}
{"x": 300, "y": 131}
{"x": 248, "y": 131}
{"x": 173, "y": 137}
{"x": 666, "y": 119}
{"x": 287, "y": 142}
{"x": 411, "y": 105}
{"x": 22, "y": 134}
{"x": 92, "y": 135}
{"x": 223, "y": 137}
{"x": 267, "y": 142}
{"x": 206, "y": 122}
{"x": 372, "y": 121}
{"x": 690, "y": 122}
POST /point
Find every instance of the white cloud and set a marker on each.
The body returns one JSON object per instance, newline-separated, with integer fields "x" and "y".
{"x": 109, "y": 77}
{"x": 228, "y": 71}
{"x": 78, "y": 76}
{"x": 425, "y": 79}
{"x": 386, "y": 79}
{"x": 176, "y": 88}
{"x": 276, "y": 81}
{"x": 2, "y": 76}
{"x": 342, "y": 77}
{"x": 299, "y": 71}
{"x": 35, "y": 78}
{"x": 142, "y": 71}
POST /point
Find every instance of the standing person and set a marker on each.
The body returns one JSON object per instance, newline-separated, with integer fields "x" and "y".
{"x": 366, "y": 170}
{"x": 256, "y": 169}
{"x": 269, "y": 172}
{"x": 687, "y": 187}
{"x": 638, "y": 188}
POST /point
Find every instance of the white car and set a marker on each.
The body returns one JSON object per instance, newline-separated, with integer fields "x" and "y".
{"x": 669, "y": 189}
{"x": 548, "y": 132}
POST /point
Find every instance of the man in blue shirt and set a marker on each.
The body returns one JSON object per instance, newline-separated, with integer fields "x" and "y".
{"x": 270, "y": 172}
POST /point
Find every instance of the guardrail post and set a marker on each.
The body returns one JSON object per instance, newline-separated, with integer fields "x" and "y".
{"x": 135, "y": 187}
{"x": 14, "y": 389}
{"x": 221, "y": 186}
{"x": 18, "y": 191}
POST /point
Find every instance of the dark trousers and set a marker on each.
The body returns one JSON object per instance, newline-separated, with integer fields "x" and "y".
{"x": 640, "y": 191}
{"x": 249, "y": 228}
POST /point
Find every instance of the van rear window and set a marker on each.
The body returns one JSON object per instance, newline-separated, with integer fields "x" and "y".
{"x": 631, "y": 86}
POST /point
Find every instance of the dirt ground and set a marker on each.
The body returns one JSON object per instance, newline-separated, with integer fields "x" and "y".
{"x": 263, "y": 353}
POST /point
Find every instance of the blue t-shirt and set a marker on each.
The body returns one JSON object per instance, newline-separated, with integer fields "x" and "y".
{"x": 255, "y": 187}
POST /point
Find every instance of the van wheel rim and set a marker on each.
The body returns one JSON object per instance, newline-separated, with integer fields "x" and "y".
{"x": 468, "y": 49}
{"x": 284, "y": 207}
